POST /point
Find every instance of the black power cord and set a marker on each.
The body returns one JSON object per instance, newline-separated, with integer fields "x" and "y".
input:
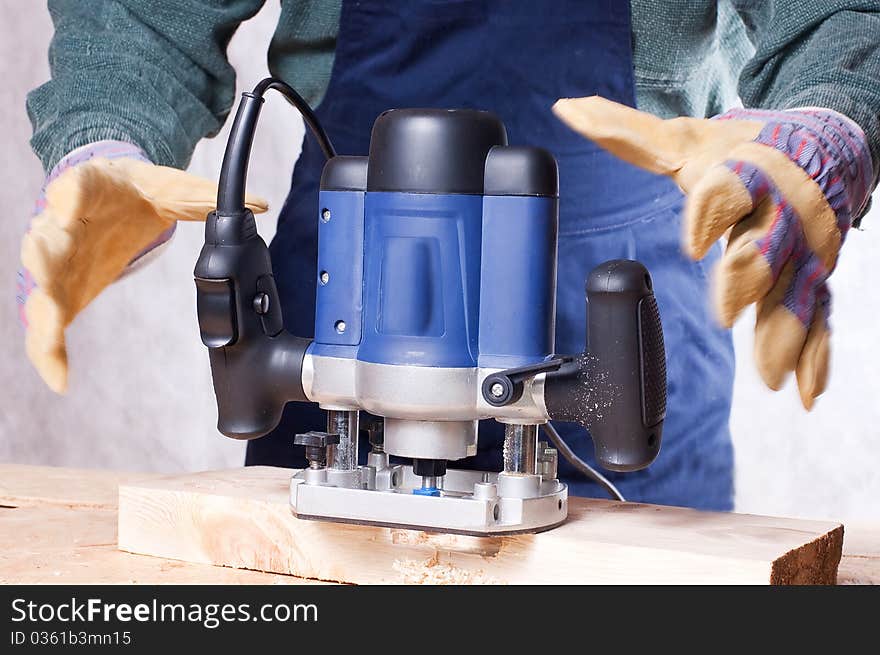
{"x": 302, "y": 106}
{"x": 233, "y": 173}
{"x": 580, "y": 464}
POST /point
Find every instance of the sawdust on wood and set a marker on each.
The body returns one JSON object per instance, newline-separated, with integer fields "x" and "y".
{"x": 433, "y": 571}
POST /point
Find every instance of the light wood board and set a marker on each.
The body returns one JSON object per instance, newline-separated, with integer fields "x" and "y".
{"x": 28, "y": 486}
{"x": 861, "y": 554}
{"x": 54, "y": 545}
{"x": 241, "y": 518}
{"x": 58, "y": 526}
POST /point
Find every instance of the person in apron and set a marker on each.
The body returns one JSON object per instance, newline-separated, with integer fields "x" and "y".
{"x": 789, "y": 174}
{"x": 516, "y": 61}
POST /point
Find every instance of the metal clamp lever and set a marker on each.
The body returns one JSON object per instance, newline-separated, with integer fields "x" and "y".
{"x": 506, "y": 387}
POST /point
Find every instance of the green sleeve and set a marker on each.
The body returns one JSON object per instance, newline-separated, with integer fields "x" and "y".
{"x": 816, "y": 53}
{"x": 151, "y": 73}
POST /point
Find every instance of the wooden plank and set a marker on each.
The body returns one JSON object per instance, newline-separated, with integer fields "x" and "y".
{"x": 56, "y": 545}
{"x": 241, "y": 518}
{"x": 26, "y": 486}
{"x": 861, "y": 554}
{"x": 58, "y": 525}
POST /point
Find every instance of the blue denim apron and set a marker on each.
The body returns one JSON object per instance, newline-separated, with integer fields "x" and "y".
{"x": 516, "y": 59}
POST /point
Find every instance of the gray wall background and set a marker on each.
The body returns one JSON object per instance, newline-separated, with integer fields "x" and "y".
{"x": 140, "y": 393}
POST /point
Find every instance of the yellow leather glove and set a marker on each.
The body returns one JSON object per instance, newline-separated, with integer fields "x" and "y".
{"x": 97, "y": 215}
{"x": 787, "y": 185}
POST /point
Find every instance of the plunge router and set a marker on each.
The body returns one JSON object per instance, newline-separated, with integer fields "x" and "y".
{"x": 435, "y": 283}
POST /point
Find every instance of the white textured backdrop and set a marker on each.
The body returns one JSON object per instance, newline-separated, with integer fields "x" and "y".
{"x": 140, "y": 392}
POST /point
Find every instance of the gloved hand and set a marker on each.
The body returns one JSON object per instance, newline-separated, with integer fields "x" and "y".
{"x": 787, "y": 184}
{"x": 103, "y": 207}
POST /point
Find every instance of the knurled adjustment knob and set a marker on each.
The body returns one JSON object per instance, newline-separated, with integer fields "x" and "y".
{"x": 435, "y": 468}
{"x": 316, "y": 446}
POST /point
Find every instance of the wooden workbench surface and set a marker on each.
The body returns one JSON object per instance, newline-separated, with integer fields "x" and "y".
{"x": 59, "y": 526}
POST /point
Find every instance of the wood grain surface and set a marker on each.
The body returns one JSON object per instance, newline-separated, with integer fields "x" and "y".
{"x": 241, "y": 518}
{"x": 59, "y": 525}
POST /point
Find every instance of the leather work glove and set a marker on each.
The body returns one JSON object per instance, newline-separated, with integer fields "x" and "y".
{"x": 103, "y": 208}
{"x": 786, "y": 184}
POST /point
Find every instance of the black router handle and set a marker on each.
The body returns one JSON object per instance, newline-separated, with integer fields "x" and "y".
{"x": 617, "y": 386}
{"x": 255, "y": 364}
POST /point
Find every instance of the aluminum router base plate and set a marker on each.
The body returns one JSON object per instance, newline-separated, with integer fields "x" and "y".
{"x": 471, "y": 502}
